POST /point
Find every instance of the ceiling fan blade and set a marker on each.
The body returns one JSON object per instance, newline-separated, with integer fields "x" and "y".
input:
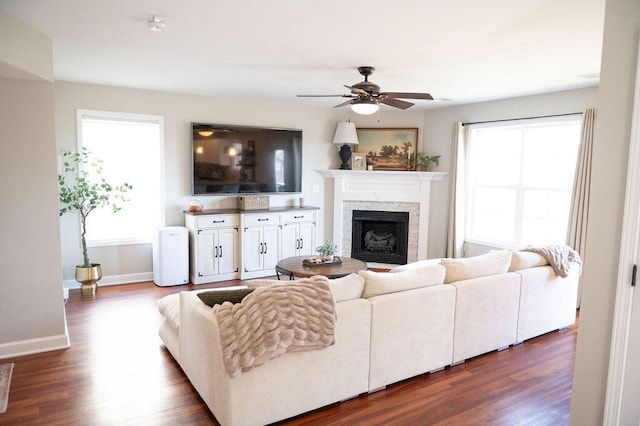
{"x": 324, "y": 96}
{"x": 395, "y": 102}
{"x": 357, "y": 90}
{"x": 344, "y": 103}
{"x": 407, "y": 95}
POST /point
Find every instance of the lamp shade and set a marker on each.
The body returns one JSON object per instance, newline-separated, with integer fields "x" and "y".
{"x": 365, "y": 107}
{"x": 345, "y": 134}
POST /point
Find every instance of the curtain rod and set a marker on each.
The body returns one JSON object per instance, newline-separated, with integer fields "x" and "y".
{"x": 523, "y": 118}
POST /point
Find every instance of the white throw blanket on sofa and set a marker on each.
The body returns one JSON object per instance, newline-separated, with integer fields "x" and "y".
{"x": 559, "y": 257}
{"x": 272, "y": 320}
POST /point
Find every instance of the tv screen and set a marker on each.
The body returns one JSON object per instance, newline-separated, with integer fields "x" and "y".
{"x": 229, "y": 159}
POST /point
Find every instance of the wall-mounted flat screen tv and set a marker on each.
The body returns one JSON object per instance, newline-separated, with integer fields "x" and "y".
{"x": 230, "y": 159}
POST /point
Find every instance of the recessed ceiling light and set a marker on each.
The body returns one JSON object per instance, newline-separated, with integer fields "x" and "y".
{"x": 157, "y": 23}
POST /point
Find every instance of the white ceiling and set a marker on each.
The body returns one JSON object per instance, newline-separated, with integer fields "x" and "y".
{"x": 463, "y": 50}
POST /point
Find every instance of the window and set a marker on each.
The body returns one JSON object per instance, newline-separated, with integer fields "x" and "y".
{"x": 520, "y": 180}
{"x": 130, "y": 146}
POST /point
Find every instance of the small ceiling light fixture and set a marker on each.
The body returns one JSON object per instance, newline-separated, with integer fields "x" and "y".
{"x": 365, "y": 106}
{"x": 157, "y": 23}
{"x": 205, "y": 133}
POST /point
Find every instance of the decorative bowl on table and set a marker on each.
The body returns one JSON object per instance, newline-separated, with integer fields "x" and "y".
{"x": 322, "y": 261}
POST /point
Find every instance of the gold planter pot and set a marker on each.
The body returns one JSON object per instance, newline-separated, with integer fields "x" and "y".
{"x": 89, "y": 277}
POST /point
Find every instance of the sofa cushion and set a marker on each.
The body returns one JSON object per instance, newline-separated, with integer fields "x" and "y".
{"x": 169, "y": 307}
{"x": 217, "y": 296}
{"x": 479, "y": 266}
{"x": 525, "y": 259}
{"x": 414, "y": 265}
{"x": 345, "y": 288}
{"x": 376, "y": 283}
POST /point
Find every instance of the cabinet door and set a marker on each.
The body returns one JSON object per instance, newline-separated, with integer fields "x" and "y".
{"x": 307, "y": 239}
{"x": 227, "y": 244}
{"x": 206, "y": 252}
{"x": 252, "y": 249}
{"x": 290, "y": 240}
{"x": 271, "y": 239}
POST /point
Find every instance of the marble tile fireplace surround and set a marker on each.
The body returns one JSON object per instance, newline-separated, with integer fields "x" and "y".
{"x": 388, "y": 191}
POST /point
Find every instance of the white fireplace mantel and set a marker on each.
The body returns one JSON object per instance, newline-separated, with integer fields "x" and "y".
{"x": 383, "y": 187}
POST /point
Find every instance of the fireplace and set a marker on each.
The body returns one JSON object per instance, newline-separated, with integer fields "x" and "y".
{"x": 380, "y": 236}
{"x": 390, "y": 191}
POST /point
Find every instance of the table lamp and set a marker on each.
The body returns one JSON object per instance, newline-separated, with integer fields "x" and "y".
{"x": 345, "y": 135}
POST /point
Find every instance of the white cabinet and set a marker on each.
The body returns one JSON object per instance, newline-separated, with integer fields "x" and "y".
{"x": 213, "y": 243}
{"x": 230, "y": 244}
{"x": 298, "y": 233}
{"x": 260, "y": 244}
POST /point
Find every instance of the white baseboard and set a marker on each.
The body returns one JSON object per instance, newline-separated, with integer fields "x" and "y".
{"x": 33, "y": 346}
{"x": 114, "y": 280}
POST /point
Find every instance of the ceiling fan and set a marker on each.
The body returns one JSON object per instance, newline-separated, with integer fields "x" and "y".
{"x": 366, "y": 97}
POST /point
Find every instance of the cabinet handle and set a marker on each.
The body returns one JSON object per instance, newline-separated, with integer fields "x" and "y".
{"x": 219, "y": 221}
{"x": 299, "y": 217}
{"x": 301, "y": 243}
{"x": 261, "y": 248}
{"x": 297, "y": 244}
{"x": 266, "y": 219}
{"x": 265, "y": 248}
{"x": 216, "y": 248}
{"x": 220, "y": 247}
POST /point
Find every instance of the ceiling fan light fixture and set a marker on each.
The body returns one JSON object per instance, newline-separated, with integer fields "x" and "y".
{"x": 365, "y": 106}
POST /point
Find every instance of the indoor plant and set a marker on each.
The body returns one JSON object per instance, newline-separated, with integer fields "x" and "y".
{"x": 82, "y": 189}
{"x": 423, "y": 161}
{"x": 327, "y": 250}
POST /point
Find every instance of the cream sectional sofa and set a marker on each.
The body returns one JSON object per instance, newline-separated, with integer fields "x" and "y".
{"x": 417, "y": 318}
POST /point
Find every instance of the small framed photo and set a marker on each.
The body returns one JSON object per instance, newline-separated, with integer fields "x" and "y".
{"x": 358, "y": 161}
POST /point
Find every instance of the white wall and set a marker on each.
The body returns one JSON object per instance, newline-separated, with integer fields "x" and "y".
{"x": 608, "y": 180}
{"x": 31, "y": 304}
{"x": 434, "y": 129}
{"x": 129, "y": 262}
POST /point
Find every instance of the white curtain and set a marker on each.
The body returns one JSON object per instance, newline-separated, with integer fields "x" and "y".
{"x": 455, "y": 227}
{"x": 577, "y": 235}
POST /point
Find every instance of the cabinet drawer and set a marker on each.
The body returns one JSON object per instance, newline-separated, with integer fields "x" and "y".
{"x": 301, "y": 216}
{"x": 216, "y": 221}
{"x": 261, "y": 219}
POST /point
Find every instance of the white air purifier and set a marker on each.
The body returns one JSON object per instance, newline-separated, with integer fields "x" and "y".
{"x": 171, "y": 256}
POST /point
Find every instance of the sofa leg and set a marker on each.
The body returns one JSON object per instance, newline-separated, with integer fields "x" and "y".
{"x": 377, "y": 389}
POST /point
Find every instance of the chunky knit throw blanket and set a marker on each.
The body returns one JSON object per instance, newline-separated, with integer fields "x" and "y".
{"x": 272, "y": 320}
{"x": 560, "y": 257}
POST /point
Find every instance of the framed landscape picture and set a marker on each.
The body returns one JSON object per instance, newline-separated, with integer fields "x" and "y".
{"x": 388, "y": 148}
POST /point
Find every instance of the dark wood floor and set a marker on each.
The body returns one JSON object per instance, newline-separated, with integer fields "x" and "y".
{"x": 118, "y": 372}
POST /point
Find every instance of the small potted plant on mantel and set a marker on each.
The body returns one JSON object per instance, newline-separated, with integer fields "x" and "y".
{"x": 424, "y": 161}
{"x": 82, "y": 189}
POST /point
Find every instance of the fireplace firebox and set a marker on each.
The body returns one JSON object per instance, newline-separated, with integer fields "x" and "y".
{"x": 380, "y": 236}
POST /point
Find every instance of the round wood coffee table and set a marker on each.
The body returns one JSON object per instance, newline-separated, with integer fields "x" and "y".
{"x": 293, "y": 267}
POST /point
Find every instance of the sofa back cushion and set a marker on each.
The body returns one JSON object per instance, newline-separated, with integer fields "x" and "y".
{"x": 525, "y": 259}
{"x": 497, "y": 262}
{"x": 347, "y": 288}
{"x": 376, "y": 283}
{"x": 416, "y": 265}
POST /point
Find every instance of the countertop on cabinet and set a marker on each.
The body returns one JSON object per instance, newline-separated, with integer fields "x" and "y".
{"x": 236, "y": 210}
